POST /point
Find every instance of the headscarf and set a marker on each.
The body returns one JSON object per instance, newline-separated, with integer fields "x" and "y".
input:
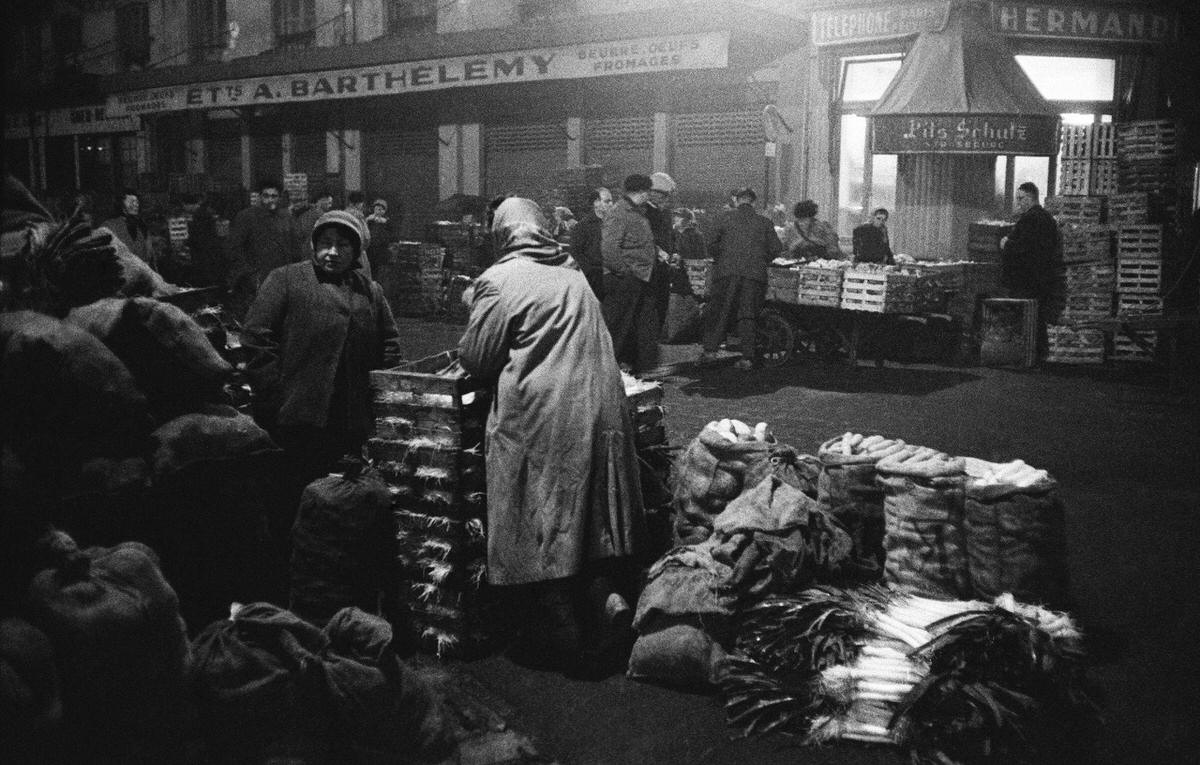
{"x": 520, "y": 228}
{"x": 352, "y": 225}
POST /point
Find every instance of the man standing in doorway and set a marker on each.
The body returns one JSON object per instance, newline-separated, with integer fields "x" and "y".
{"x": 628, "y": 252}
{"x": 585, "y": 239}
{"x": 262, "y": 238}
{"x": 742, "y": 244}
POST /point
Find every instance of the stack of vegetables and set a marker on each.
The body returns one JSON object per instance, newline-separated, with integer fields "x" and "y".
{"x": 428, "y": 446}
{"x": 949, "y": 681}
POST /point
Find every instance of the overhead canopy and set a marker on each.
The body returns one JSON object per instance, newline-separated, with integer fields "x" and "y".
{"x": 960, "y": 91}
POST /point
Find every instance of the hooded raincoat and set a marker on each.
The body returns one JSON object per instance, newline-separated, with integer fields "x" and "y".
{"x": 562, "y": 472}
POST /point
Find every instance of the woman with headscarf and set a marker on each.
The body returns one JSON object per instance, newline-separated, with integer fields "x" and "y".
{"x": 810, "y": 238}
{"x": 314, "y": 331}
{"x": 564, "y": 497}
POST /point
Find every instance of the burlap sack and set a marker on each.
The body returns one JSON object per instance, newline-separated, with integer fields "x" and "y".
{"x": 923, "y": 515}
{"x": 847, "y": 490}
{"x": 1016, "y": 542}
{"x": 710, "y": 472}
{"x": 121, "y": 650}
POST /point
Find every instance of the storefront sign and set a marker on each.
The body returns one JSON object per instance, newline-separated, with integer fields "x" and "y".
{"x": 878, "y": 23}
{"x": 1035, "y": 135}
{"x": 1081, "y": 22}
{"x": 81, "y": 120}
{"x": 648, "y": 54}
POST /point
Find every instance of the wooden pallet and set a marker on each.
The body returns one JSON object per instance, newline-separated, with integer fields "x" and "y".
{"x": 1139, "y": 276}
{"x": 1076, "y": 209}
{"x": 1153, "y": 139}
{"x": 1142, "y": 241}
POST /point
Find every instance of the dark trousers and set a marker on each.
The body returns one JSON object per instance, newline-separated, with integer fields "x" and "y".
{"x": 629, "y": 314}
{"x": 660, "y": 291}
{"x": 736, "y": 303}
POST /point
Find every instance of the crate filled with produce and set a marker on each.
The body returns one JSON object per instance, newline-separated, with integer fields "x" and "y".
{"x": 1083, "y": 210}
{"x": 983, "y": 239}
{"x": 879, "y": 291}
{"x": 428, "y": 446}
{"x": 783, "y": 284}
{"x": 821, "y": 283}
{"x": 1132, "y": 209}
{"x": 1086, "y": 243}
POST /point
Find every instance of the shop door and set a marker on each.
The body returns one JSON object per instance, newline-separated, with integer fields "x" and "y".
{"x": 524, "y": 159}
{"x": 402, "y": 167}
{"x": 621, "y": 145}
{"x": 716, "y": 152}
{"x": 223, "y": 147}
{"x": 308, "y": 157}
{"x": 266, "y": 158}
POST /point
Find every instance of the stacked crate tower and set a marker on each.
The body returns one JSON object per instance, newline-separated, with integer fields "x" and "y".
{"x": 461, "y": 243}
{"x": 412, "y": 279}
{"x": 1147, "y": 156}
{"x": 428, "y": 446}
{"x": 1087, "y": 282}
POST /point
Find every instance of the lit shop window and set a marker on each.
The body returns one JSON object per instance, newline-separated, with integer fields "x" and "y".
{"x": 1063, "y": 78}
{"x": 865, "y": 181}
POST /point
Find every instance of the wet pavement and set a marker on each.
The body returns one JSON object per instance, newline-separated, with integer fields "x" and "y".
{"x": 1124, "y": 448}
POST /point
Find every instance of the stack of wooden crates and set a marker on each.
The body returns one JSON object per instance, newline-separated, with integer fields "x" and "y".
{"x": 428, "y": 446}
{"x": 1116, "y": 187}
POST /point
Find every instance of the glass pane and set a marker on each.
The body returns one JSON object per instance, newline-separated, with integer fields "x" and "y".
{"x": 883, "y": 181}
{"x": 866, "y": 80}
{"x": 1062, "y": 78}
{"x": 851, "y": 172}
{"x": 1036, "y": 169}
{"x": 1076, "y": 118}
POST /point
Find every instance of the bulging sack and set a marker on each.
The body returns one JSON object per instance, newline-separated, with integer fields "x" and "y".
{"x": 712, "y": 471}
{"x": 1016, "y": 542}
{"x": 923, "y": 513}
{"x": 848, "y": 491}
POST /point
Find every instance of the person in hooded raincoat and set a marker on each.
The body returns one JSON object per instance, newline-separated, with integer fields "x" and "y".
{"x": 562, "y": 471}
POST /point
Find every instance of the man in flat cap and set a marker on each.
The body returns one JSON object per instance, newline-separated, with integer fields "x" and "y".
{"x": 742, "y": 244}
{"x": 629, "y": 253}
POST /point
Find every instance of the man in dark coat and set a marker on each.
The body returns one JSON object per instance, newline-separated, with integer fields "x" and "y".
{"x": 629, "y": 254}
{"x": 585, "y": 239}
{"x": 1031, "y": 255}
{"x": 742, "y": 244}
{"x": 871, "y": 243}
{"x": 262, "y": 238}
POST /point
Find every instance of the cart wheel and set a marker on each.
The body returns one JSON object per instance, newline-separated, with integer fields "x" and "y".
{"x": 820, "y": 342}
{"x": 775, "y": 338}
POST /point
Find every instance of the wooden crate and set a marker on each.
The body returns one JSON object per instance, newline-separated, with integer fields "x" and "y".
{"x": 1130, "y": 209}
{"x": 1125, "y": 349}
{"x": 820, "y": 286}
{"x": 1087, "y": 307}
{"x": 783, "y": 284}
{"x": 879, "y": 292}
{"x": 1089, "y": 277}
{"x": 983, "y": 238}
{"x": 1067, "y": 345}
{"x": 1085, "y": 210}
{"x": 1104, "y": 178}
{"x": 1136, "y": 304}
{"x": 1088, "y": 141}
{"x": 1143, "y": 241}
{"x": 1103, "y": 140}
{"x": 1074, "y": 177}
{"x": 1008, "y": 332}
{"x": 1137, "y": 276}
{"x": 1086, "y": 243}
{"x": 1151, "y": 139}
{"x": 1151, "y": 175}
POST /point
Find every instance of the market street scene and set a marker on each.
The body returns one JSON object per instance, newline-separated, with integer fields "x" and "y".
{"x": 533, "y": 381}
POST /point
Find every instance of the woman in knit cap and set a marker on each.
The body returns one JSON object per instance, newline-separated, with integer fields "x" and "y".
{"x": 314, "y": 331}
